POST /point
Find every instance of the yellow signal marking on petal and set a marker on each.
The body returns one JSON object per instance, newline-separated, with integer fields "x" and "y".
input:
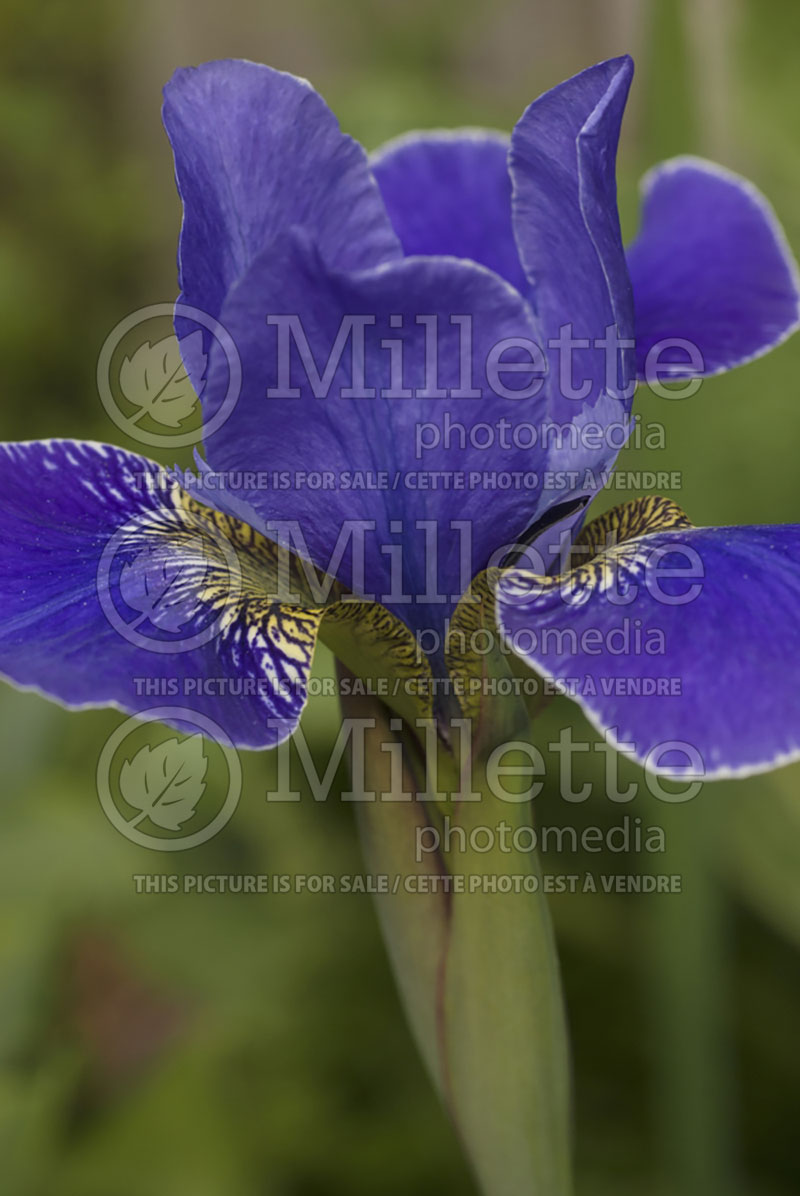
{"x": 610, "y": 541}
{"x": 285, "y": 602}
{"x": 613, "y": 538}
{"x": 293, "y": 637}
{"x": 371, "y": 641}
{"x": 465, "y": 666}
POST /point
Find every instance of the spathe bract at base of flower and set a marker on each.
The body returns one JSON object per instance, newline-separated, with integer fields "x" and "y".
{"x": 469, "y": 937}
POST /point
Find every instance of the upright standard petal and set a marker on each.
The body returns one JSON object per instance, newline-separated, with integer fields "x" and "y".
{"x": 449, "y": 193}
{"x": 376, "y": 403}
{"x": 678, "y": 643}
{"x": 711, "y": 268}
{"x": 563, "y": 158}
{"x": 257, "y": 151}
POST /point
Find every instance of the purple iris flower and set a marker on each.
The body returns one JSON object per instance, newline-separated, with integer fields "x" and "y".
{"x": 471, "y": 247}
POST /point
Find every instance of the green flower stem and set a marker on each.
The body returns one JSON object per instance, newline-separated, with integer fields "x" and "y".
{"x": 475, "y": 964}
{"x": 689, "y": 971}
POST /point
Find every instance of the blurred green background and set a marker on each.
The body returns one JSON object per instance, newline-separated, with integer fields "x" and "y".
{"x": 253, "y": 1045}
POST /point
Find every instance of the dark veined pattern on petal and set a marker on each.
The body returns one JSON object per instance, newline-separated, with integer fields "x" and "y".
{"x": 107, "y": 530}
{"x": 602, "y": 546}
{"x": 677, "y": 641}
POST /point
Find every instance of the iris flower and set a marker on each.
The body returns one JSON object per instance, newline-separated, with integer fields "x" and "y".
{"x": 284, "y": 215}
{"x": 416, "y": 373}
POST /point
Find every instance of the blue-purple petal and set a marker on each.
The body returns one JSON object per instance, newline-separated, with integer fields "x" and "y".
{"x": 256, "y": 152}
{"x": 563, "y": 161}
{"x": 377, "y": 438}
{"x": 64, "y": 506}
{"x": 711, "y": 268}
{"x": 693, "y": 669}
{"x": 449, "y": 193}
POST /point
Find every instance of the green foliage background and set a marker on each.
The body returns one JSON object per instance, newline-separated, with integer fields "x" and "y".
{"x": 254, "y": 1046}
